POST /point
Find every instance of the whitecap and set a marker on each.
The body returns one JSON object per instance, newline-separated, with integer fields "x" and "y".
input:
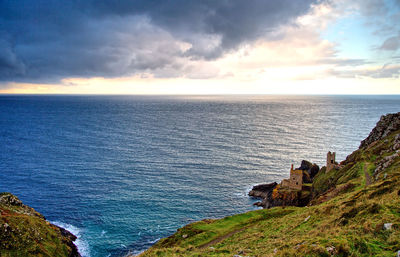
{"x": 103, "y": 233}
{"x": 249, "y": 188}
{"x": 81, "y": 244}
{"x": 245, "y": 191}
{"x": 134, "y": 253}
{"x": 153, "y": 241}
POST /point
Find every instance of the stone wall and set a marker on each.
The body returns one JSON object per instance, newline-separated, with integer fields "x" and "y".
{"x": 296, "y": 179}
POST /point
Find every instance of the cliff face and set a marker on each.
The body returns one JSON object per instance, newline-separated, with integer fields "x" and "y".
{"x": 386, "y": 125}
{"x": 360, "y": 214}
{"x": 378, "y": 143}
{"x": 25, "y": 232}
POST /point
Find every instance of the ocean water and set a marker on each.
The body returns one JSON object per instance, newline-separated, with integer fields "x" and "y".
{"x": 123, "y": 171}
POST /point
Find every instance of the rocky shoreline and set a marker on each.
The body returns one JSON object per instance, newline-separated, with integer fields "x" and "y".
{"x": 278, "y": 194}
{"x": 26, "y": 232}
{"x": 274, "y": 194}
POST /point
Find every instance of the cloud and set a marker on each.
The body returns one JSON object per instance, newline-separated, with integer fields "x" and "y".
{"x": 46, "y": 41}
{"x": 391, "y": 43}
{"x": 10, "y": 65}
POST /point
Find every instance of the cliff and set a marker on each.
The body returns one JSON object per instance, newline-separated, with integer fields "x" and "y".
{"x": 275, "y": 194}
{"x": 386, "y": 125}
{"x": 354, "y": 210}
{"x": 25, "y": 232}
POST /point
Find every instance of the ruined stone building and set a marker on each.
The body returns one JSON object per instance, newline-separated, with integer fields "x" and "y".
{"x": 330, "y": 161}
{"x": 295, "y": 181}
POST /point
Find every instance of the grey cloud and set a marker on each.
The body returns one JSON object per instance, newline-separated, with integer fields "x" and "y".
{"x": 373, "y": 8}
{"x": 10, "y": 65}
{"x": 391, "y": 44}
{"x": 386, "y": 71}
{"x": 47, "y": 40}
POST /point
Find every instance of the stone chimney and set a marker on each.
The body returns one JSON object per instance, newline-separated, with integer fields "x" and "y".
{"x": 330, "y": 161}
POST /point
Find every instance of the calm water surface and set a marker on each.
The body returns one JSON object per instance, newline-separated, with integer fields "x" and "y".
{"x": 124, "y": 171}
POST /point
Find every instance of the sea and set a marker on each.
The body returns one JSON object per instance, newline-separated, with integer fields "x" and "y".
{"x": 121, "y": 172}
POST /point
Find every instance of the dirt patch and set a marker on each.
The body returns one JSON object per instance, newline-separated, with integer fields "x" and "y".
{"x": 367, "y": 176}
{"x": 221, "y": 238}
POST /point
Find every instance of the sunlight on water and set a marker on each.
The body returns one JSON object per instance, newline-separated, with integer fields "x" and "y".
{"x": 121, "y": 172}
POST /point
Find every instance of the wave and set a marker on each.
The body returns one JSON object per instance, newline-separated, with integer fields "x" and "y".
{"x": 153, "y": 241}
{"x": 81, "y": 244}
{"x": 133, "y": 253}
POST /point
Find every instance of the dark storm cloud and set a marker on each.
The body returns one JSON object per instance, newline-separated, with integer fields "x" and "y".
{"x": 49, "y": 40}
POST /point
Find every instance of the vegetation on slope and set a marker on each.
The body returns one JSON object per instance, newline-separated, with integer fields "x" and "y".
{"x": 355, "y": 212}
{"x": 25, "y": 232}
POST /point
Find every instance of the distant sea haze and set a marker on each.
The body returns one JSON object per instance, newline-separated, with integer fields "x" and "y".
{"x": 124, "y": 171}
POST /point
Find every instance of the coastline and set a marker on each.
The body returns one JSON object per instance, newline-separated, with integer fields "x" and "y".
{"x": 357, "y": 195}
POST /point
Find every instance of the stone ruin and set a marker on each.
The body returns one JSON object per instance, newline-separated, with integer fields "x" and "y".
{"x": 295, "y": 181}
{"x": 330, "y": 161}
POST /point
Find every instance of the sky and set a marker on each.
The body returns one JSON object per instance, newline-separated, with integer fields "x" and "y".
{"x": 200, "y": 47}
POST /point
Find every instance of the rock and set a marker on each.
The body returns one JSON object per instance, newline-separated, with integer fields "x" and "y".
{"x": 387, "y": 226}
{"x": 314, "y": 170}
{"x": 286, "y": 198}
{"x": 24, "y": 225}
{"x": 386, "y": 125}
{"x": 385, "y": 163}
{"x": 305, "y": 165}
{"x": 331, "y": 250}
{"x": 10, "y": 199}
{"x": 299, "y": 245}
{"x": 262, "y": 190}
{"x": 259, "y": 204}
{"x": 273, "y": 195}
{"x": 311, "y": 169}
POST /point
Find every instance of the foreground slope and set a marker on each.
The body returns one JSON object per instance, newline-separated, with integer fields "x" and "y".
{"x": 355, "y": 211}
{"x": 25, "y": 232}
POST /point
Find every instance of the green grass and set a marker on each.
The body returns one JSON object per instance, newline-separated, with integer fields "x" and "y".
{"x": 24, "y": 232}
{"x": 349, "y": 224}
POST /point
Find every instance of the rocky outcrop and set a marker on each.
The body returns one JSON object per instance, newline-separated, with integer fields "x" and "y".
{"x": 263, "y": 190}
{"x": 287, "y": 197}
{"x": 386, "y": 125}
{"x": 310, "y": 169}
{"x": 385, "y": 163}
{"x": 273, "y": 194}
{"x": 26, "y": 232}
{"x": 7, "y": 199}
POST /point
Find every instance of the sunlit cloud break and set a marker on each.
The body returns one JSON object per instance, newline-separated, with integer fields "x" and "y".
{"x": 200, "y": 47}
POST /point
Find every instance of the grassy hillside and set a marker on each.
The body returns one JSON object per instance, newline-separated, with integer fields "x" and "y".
{"x": 355, "y": 212}
{"x": 25, "y": 232}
